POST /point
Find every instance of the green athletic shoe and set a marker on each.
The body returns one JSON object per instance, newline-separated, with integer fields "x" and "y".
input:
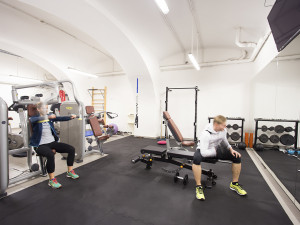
{"x": 238, "y": 189}
{"x": 54, "y": 184}
{"x": 72, "y": 175}
{"x": 200, "y": 193}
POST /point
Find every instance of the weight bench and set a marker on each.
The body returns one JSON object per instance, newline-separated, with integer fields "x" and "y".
{"x": 100, "y": 137}
{"x": 175, "y": 155}
{"x": 176, "y": 134}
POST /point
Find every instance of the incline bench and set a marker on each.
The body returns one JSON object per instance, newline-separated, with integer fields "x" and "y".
{"x": 175, "y": 155}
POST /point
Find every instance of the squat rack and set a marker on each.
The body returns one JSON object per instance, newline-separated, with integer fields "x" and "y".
{"x": 196, "y": 102}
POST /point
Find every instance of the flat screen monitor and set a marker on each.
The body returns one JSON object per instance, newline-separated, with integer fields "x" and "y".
{"x": 284, "y": 20}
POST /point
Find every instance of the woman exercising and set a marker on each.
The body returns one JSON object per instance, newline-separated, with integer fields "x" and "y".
{"x": 213, "y": 144}
{"x": 45, "y": 138}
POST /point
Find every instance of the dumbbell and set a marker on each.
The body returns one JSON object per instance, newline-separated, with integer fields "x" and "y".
{"x": 136, "y": 159}
{"x": 264, "y": 128}
{"x": 185, "y": 179}
{"x": 234, "y": 136}
{"x": 234, "y": 126}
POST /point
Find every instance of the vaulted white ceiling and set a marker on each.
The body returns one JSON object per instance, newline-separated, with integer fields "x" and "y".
{"x": 165, "y": 39}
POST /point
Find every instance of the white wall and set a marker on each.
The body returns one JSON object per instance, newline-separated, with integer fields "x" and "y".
{"x": 223, "y": 90}
{"x": 17, "y": 66}
{"x": 276, "y": 91}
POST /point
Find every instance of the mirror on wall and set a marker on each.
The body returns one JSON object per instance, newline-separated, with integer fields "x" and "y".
{"x": 276, "y": 97}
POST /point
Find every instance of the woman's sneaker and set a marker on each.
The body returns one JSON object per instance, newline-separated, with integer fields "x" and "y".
{"x": 200, "y": 193}
{"x": 237, "y": 188}
{"x": 54, "y": 184}
{"x": 72, "y": 175}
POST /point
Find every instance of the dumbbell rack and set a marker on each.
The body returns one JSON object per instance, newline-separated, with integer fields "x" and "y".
{"x": 241, "y": 127}
{"x": 257, "y": 120}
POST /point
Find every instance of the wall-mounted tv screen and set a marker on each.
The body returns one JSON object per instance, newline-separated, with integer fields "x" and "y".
{"x": 284, "y": 20}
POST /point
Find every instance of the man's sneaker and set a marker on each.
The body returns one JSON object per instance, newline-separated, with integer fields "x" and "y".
{"x": 200, "y": 193}
{"x": 237, "y": 188}
{"x": 54, "y": 184}
{"x": 72, "y": 175}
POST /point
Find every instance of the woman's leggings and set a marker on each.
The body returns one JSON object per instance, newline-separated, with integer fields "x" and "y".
{"x": 46, "y": 151}
{"x": 222, "y": 153}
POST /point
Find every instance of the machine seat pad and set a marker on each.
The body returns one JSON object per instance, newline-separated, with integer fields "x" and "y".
{"x": 188, "y": 143}
{"x": 153, "y": 150}
{"x": 103, "y": 137}
{"x": 181, "y": 154}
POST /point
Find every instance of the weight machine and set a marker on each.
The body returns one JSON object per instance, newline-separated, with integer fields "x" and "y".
{"x": 20, "y": 105}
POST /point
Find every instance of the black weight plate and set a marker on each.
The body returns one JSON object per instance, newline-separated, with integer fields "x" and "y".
{"x": 235, "y": 136}
{"x": 264, "y": 128}
{"x": 288, "y": 129}
{"x": 263, "y": 138}
{"x": 274, "y": 138}
{"x": 228, "y": 136}
{"x": 287, "y": 139}
{"x": 235, "y": 126}
{"x": 229, "y": 126}
{"x": 271, "y": 128}
{"x": 279, "y": 129}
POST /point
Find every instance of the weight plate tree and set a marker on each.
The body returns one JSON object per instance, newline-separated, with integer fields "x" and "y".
{"x": 286, "y": 136}
{"x": 235, "y": 128}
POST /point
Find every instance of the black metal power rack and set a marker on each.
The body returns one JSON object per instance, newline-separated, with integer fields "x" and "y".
{"x": 196, "y": 102}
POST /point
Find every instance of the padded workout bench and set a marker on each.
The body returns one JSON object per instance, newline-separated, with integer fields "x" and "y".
{"x": 100, "y": 137}
{"x": 177, "y": 155}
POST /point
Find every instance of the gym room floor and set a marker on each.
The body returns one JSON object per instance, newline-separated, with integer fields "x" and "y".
{"x": 112, "y": 190}
{"x": 18, "y": 165}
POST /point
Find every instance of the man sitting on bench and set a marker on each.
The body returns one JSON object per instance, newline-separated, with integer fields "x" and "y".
{"x": 213, "y": 144}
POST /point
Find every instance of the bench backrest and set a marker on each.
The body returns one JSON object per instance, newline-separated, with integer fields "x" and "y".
{"x": 173, "y": 127}
{"x": 93, "y": 120}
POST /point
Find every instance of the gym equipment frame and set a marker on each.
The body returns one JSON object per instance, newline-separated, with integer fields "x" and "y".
{"x": 196, "y": 102}
{"x": 280, "y": 130}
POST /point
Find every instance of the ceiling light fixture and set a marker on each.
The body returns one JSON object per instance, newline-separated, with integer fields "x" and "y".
{"x": 12, "y": 79}
{"x": 194, "y": 61}
{"x": 163, "y": 6}
{"x": 82, "y": 73}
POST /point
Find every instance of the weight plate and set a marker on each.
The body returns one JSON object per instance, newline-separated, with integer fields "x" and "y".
{"x": 274, "y": 138}
{"x": 288, "y": 129}
{"x": 263, "y": 138}
{"x": 287, "y": 139}
{"x": 229, "y": 126}
{"x": 235, "y": 136}
{"x": 271, "y": 128}
{"x": 235, "y": 126}
{"x": 279, "y": 129}
{"x": 15, "y": 141}
{"x": 264, "y": 128}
